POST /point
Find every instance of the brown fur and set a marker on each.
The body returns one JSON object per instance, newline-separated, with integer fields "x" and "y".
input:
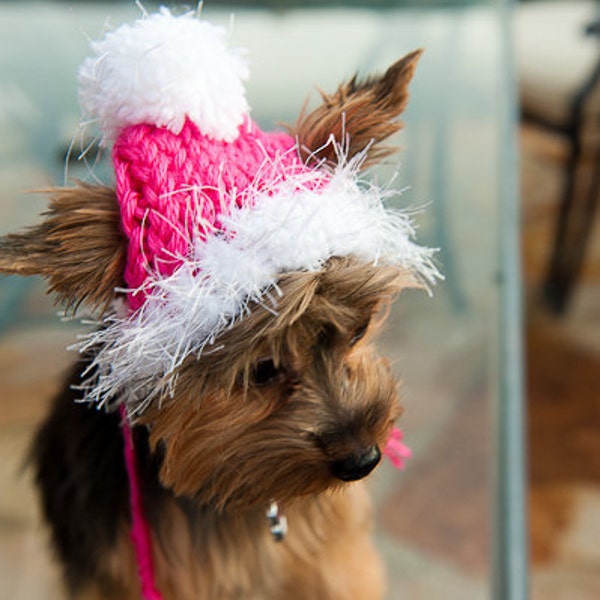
{"x": 344, "y": 294}
{"x": 327, "y": 555}
{"x": 119, "y": 577}
{"x": 268, "y": 413}
{"x": 326, "y": 383}
{"x": 228, "y": 446}
{"x": 78, "y": 247}
{"x": 358, "y": 116}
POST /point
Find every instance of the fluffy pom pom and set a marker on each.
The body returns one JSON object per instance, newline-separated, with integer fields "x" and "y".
{"x": 161, "y": 69}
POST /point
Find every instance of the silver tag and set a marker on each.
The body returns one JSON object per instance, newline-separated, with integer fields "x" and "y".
{"x": 277, "y": 522}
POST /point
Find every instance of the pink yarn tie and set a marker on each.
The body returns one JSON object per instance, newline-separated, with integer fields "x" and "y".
{"x": 396, "y": 450}
{"x": 140, "y": 530}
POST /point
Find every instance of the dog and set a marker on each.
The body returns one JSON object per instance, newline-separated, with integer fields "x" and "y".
{"x": 250, "y": 442}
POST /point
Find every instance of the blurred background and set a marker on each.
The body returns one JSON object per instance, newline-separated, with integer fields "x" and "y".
{"x": 500, "y": 160}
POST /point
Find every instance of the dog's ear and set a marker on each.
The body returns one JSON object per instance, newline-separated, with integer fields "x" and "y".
{"x": 78, "y": 247}
{"x": 359, "y": 116}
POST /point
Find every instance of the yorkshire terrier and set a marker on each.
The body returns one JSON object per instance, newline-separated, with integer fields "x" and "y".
{"x": 250, "y": 428}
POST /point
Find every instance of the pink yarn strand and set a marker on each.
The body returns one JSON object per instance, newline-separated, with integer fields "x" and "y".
{"x": 140, "y": 530}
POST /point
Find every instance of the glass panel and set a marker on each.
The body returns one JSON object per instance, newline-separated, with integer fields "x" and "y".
{"x": 456, "y": 352}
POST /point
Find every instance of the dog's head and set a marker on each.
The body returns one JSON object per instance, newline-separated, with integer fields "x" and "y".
{"x": 289, "y": 403}
{"x": 238, "y": 308}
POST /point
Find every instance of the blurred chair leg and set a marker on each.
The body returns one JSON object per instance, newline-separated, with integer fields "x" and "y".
{"x": 585, "y": 222}
{"x": 573, "y": 230}
{"x": 554, "y": 291}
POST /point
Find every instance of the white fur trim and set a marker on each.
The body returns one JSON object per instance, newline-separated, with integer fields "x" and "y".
{"x": 298, "y": 224}
{"x": 161, "y": 69}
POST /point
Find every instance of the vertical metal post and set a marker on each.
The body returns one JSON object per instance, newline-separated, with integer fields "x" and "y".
{"x": 510, "y": 568}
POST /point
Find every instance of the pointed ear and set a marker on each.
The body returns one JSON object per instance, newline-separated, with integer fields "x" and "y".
{"x": 359, "y": 116}
{"x": 78, "y": 248}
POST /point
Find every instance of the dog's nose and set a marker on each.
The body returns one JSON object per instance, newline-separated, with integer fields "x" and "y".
{"x": 357, "y": 465}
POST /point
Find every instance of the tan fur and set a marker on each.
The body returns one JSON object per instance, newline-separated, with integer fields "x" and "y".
{"x": 78, "y": 248}
{"x": 229, "y": 446}
{"x": 229, "y": 442}
{"x": 327, "y": 555}
{"x": 345, "y": 294}
{"x": 359, "y": 115}
{"x": 219, "y": 419}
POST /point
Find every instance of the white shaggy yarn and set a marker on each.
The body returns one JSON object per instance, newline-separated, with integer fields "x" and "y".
{"x": 298, "y": 224}
{"x": 161, "y": 69}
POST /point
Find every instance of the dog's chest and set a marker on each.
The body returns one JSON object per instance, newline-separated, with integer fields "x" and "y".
{"x": 238, "y": 558}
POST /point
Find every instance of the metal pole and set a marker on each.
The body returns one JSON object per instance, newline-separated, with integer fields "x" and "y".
{"x": 510, "y": 569}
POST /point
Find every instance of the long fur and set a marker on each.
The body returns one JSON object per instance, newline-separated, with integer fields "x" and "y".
{"x": 341, "y": 298}
{"x": 359, "y": 116}
{"x": 213, "y": 457}
{"x": 78, "y": 248}
{"x": 218, "y": 414}
{"x": 198, "y": 554}
{"x": 271, "y": 410}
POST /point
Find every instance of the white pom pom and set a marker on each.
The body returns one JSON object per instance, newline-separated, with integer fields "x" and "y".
{"x": 161, "y": 69}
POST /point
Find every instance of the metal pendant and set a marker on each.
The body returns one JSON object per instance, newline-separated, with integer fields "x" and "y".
{"x": 277, "y": 522}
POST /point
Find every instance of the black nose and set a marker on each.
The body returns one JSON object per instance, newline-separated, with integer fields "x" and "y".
{"x": 357, "y": 465}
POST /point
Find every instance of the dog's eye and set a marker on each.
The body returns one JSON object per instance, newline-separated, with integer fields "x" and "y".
{"x": 264, "y": 372}
{"x": 358, "y": 334}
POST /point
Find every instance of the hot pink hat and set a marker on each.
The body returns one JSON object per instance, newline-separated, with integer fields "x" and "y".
{"x": 214, "y": 209}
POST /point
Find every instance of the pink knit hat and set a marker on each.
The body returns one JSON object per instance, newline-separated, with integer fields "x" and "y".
{"x": 175, "y": 189}
{"x": 214, "y": 209}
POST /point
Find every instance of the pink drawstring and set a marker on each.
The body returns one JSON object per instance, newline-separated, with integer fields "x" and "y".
{"x": 396, "y": 450}
{"x": 140, "y": 530}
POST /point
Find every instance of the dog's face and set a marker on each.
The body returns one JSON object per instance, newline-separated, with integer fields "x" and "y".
{"x": 289, "y": 403}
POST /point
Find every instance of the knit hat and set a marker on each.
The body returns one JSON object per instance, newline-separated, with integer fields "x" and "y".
{"x": 213, "y": 208}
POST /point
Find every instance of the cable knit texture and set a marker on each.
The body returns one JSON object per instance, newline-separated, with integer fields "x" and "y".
{"x": 173, "y": 189}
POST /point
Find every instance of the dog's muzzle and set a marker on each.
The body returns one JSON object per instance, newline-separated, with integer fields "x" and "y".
{"x": 356, "y": 465}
